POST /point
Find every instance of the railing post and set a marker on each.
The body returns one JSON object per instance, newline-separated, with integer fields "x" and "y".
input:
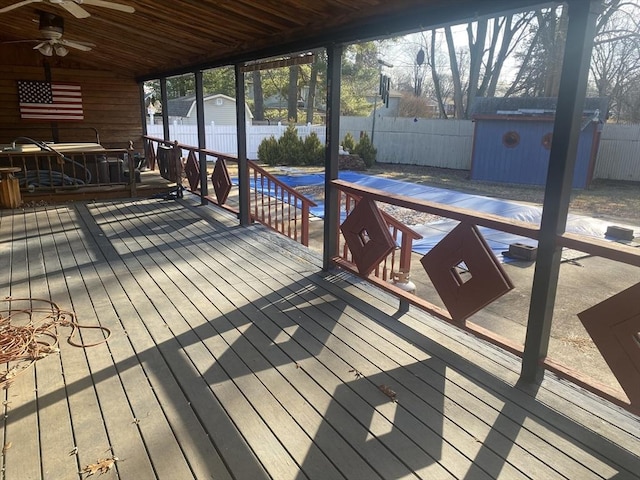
{"x": 305, "y": 224}
{"x": 132, "y": 171}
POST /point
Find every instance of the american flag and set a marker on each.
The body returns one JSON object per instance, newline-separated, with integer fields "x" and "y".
{"x": 50, "y": 101}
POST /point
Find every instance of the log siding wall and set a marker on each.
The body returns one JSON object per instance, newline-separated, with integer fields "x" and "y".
{"x": 111, "y": 104}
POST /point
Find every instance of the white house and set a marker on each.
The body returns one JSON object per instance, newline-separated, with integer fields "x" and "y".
{"x": 218, "y": 108}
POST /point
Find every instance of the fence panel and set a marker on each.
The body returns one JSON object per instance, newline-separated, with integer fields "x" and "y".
{"x": 223, "y": 138}
{"x": 619, "y": 153}
{"x": 428, "y": 142}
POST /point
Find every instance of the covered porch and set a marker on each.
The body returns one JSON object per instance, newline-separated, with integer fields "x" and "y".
{"x": 234, "y": 355}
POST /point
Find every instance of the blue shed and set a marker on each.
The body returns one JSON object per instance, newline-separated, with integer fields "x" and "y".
{"x": 512, "y": 139}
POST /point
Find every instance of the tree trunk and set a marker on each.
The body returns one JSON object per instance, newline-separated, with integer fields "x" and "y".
{"x": 455, "y": 74}
{"x": 476, "y": 51}
{"x": 313, "y": 83}
{"x": 258, "y": 96}
{"x": 554, "y": 38}
{"x": 436, "y": 78}
{"x": 292, "y": 100}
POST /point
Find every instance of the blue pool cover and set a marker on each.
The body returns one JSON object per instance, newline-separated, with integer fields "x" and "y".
{"x": 434, "y": 231}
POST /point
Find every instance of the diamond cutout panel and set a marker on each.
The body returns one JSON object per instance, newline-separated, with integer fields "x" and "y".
{"x": 614, "y": 326}
{"x": 367, "y": 236}
{"x": 221, "y": 181}
{"x": 192, "y": 170}
{"x": 464, "y": 293}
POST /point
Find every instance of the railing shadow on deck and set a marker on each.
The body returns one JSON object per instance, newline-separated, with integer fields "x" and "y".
{"x": 258, "y": 338}
{"x": 351, "y": 194}
{"x": 359, "y": 397}
{"x": 277, "y": 205}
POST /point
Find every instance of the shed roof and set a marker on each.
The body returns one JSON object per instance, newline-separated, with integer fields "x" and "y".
{"x": 532, "y": 106}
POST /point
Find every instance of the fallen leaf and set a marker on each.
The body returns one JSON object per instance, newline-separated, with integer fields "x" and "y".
{"x": 7, "y": 446}
{"x": 103, "y": 466}
{"x": 388, "y": 392}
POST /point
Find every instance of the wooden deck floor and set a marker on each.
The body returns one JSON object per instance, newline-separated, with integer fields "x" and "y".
{"x": 233, "y": 356}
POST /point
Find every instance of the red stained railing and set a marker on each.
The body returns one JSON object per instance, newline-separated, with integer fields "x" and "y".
{"x": 273, "y": 204}
{"x": 395, "y": 266}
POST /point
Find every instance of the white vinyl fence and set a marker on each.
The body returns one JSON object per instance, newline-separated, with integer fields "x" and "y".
{"x": 223, "y": 138}
{"x": 437, "y": 143}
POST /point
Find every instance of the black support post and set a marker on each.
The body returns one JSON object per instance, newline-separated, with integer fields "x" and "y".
{"x": 165, "y": 108}
{"x": 562, "y": 158}
{"x": 243, "y": 168}
{"x": 331, "y": 207}
{"x": 143, "y": 108}
{"x": 202, "y": 138}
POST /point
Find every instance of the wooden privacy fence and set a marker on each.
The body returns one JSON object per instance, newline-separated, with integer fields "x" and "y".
{"x": 273, "y": 203}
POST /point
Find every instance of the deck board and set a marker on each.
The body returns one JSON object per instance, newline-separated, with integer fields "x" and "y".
{"x": 233, "y": 355}
{"x": 202, "y": 456}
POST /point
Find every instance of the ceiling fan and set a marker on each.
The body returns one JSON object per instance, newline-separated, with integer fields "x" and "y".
{"x": 51, "y": 29}
{"x": 74, "y": 6}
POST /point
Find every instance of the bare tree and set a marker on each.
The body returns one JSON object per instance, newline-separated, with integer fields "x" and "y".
{"x": 490, "y": 41}
{"x": 258, "y": 95}
{"x": 615, "y": 64}
{"x": 292, "y": 95}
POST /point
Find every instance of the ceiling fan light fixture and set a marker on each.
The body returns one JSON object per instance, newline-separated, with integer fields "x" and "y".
{"x": 61, "y": 50}
{"x": 46, "y": 50}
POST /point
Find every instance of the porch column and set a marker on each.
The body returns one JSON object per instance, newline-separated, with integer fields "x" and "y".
{"x": 243, "y": 168}
{"x": 165, "y": 108}
{"x": 202, "y": 138}
{"x": 331, "y": 206}
{"x": 143, "y": 109}
{"x": 562, "y": 157}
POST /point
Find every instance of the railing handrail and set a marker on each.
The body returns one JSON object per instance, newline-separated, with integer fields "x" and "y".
{"x": 252, "y": 164}
{"x": 44, "y": 153}
{"x": 281, "y": 184}
{"x": 295, "y": 199}
{"x": 612, "y": 251}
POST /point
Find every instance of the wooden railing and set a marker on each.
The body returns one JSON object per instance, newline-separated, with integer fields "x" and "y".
{"x": 396, "y": 266}
{"x": 593, "y": 246}
{"x": 273, "y": 204}
{"x": 283, "y": 209}
{"x": 49, "y": 170}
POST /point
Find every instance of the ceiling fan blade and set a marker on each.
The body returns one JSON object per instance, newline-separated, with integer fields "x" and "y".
{"x": 111, "y": 5}
{"x": 40, "y": 45}
{"x": 18, "y": 5}
{"x": 73, "y": 8}
{"x": 21, "y": 41}
{"x": 84, "y": 46}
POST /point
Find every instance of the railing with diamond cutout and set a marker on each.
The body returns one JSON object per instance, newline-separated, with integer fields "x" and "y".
{"x": 467, "y": 277}
{"x": 274, "y": 204}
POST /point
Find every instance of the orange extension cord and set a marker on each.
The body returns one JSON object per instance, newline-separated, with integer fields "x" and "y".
{"x": 35, "y": 336}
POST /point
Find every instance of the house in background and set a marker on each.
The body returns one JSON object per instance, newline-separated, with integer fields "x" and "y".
{"x": 218, "y": 108}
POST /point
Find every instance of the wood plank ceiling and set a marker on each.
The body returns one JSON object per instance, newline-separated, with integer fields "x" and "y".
{"x": 171, "y": 36}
